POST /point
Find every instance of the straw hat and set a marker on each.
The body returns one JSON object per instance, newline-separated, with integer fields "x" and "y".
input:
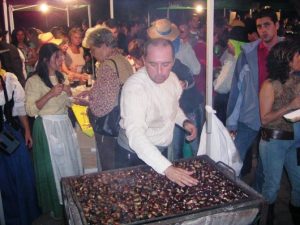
{"x": 163, "y": 28}
{"x": 49, "y": 38}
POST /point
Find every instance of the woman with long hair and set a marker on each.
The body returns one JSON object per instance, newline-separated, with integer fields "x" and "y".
{"x": 19, "y": 39}
{"x": 56, "y": 151}
{"x": 279, "y": 95}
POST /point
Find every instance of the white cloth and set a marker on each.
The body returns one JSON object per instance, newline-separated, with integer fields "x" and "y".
{"x": 23, "y": 59}
{"x": 14, "y": 86}
{"x": 223, "y": 82}
{"x": 187, "y": 56}
{"x": 148, "y": 114}
{"x": 63, "y": 147}
{"x": 75, "y": 61}
{"x": 222, "y": 147}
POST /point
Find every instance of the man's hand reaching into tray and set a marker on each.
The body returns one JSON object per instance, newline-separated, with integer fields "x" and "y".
{"x": 180, "y": 176}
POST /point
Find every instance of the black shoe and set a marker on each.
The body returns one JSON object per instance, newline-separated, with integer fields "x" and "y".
{"x": 270, "y": 215}
{"x": 295, "y": 211}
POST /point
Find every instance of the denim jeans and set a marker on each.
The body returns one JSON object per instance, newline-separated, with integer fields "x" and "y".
{"x": 244, "y": 139}
{"x": 297, "y": 134}
{"x": 276, "y": 154}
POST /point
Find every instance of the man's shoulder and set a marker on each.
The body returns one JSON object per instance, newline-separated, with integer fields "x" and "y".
{"x": 138, "y": 78}
{"x": 251, "y": 46}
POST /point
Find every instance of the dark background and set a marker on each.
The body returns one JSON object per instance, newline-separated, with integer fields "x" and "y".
{"x": 132, "y": 9}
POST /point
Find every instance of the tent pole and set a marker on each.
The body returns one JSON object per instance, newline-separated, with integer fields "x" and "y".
{"x": 5, "y": 19}
{"x": 111, "y": 3}
{"x": 89, "y": 15}
{"x": 11, "y": 17}
{"x": 209, "y": 68}
{"x": 68, "y": 16}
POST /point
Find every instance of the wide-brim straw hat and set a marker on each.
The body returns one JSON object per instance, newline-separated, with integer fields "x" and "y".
{"x": 48, "y": 37}
{"x": 163, "y": 28}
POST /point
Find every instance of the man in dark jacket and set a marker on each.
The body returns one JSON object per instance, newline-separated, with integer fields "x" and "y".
{"x": 11, "y": 61}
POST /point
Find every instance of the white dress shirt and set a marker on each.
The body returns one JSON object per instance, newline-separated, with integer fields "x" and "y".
{"x": 13, "y": 86}
{"x": 149, "y": 112}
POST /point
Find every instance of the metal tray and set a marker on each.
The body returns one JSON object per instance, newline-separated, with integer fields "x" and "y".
{"x": 254, "y": 203}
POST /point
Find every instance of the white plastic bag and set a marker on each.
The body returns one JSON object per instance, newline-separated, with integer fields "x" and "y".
{"x": 222, "y": 147}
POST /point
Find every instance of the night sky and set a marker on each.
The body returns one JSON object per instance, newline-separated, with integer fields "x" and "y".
{"x": 124, "y": 10}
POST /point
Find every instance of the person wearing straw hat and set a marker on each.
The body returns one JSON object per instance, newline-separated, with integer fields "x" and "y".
{"x": 163, "y": 28}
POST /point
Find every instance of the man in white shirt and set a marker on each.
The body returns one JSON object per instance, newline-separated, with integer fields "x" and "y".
{"x": 149, "y": 111}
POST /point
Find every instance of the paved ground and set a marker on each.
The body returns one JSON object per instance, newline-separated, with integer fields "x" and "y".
{"x": 282, "y": 215}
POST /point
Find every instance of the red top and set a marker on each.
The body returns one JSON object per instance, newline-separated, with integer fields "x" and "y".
{"x": 262, "y": 53}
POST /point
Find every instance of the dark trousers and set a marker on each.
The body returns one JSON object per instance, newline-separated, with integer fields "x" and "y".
{"x": 106, "y": 147}
{"x": 125, "y": 158}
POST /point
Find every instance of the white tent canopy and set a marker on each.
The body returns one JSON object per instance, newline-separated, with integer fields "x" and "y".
{"x": 9, "y": 9}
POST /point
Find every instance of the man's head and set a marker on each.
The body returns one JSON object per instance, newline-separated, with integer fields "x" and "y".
{"x": 158, "y": 59}
{"x": 194, "y": 22}
{"x": 113, "y": 26}
{"x": 184, "y": 30}
{"x": 267, "y": 25}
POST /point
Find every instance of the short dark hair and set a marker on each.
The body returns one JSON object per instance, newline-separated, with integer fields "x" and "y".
{"x": 267, "y": 12}
{"x": 279, "y": 59}
{"x": 158, "y": 42}
{"x": 112, "y": 23}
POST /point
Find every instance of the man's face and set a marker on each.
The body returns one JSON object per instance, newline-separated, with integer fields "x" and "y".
{"x": 114, "y": 31}
{"x": 184, "y": 31}
{"x": 267, "y": 29}
{"x": 159, "y": 62}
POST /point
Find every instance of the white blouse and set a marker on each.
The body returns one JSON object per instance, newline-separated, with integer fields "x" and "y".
{"x": 14, "y": 86}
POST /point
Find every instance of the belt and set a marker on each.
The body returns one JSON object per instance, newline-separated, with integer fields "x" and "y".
{"x": 267, "y": 134}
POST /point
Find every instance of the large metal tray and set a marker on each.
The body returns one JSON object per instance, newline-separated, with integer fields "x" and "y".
{"x": 234, "y": 212}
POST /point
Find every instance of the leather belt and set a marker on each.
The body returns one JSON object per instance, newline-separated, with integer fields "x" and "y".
{"x": 267, "y": 134}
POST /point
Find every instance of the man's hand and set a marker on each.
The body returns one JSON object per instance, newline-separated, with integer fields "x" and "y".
{"x": 180, "y": 176}
{"x": 191, "y": 129}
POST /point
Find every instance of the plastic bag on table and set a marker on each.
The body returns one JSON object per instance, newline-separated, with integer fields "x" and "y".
{"x": 223, "y": 148}
{"x": 82, "y": 119}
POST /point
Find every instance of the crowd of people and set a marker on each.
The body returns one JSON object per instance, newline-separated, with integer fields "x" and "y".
{"x": 156, "y": 75}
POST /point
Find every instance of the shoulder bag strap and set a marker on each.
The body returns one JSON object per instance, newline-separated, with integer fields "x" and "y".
{"x": 114, "y": 62}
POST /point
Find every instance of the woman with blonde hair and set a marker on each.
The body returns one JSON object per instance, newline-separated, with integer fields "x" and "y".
{"x": 74, "y": 58}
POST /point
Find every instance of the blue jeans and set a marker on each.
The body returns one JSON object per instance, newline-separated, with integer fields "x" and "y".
{"x": 297, "y": 134}
{"x": 179, "y": 135}
{"x": 244, "y": 139}
{"x": 276, "y": 154}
